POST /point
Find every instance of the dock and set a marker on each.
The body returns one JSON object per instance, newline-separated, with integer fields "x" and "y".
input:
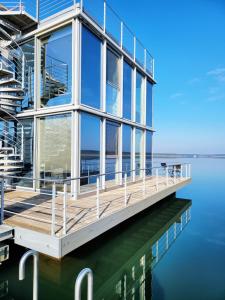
{"x": 57, "y": 225}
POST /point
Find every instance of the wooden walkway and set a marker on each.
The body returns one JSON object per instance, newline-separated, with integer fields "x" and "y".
{"x": 33, "y": 211}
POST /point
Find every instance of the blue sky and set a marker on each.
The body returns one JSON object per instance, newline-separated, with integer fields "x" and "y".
{"x": 187, "y": 40}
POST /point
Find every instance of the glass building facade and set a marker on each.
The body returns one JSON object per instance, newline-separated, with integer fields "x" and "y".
{"x": 88, "y": 108}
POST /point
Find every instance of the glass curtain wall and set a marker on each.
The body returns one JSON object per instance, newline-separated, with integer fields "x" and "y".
{"x": 148, "y": 152}
{"x": 127, "y": 146}
{"x": 89, "y": 149}
{"x": 138, "y": 150}
{"x": 54, "y": 149}
{"x": 127, "y": 90}
{"x": 90, "y": 69}
{"x": 112, "y": 149}
{"x": 112, "y": 82}
{"x": 28, "y": 101}
{"x": 56, "y": 68}
{"x": 139, "y": 98}
{"x": 149, "y": 104}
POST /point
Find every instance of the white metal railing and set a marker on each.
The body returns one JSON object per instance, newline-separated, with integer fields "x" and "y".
{"x": 53, "y": 196}
{"x": 20, "y": 5}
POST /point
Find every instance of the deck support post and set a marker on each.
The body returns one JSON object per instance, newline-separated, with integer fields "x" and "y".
{"x": 53, "y": 209}
{"x": 2, "y": 201}
{"x": 97, "y": 198}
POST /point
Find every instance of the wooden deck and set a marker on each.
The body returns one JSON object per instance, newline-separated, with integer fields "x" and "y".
{"x": 29, "y": 212}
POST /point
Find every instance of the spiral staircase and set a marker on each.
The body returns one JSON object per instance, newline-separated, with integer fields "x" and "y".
{"x": 13, "y": 84}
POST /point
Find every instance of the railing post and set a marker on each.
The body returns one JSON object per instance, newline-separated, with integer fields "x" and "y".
{"x": 157, "y": 179}
{"x": 2, "y": 201}
{"x": 104, "y": 16}
{"x": 38, "y": 10}
{"x": 97, "y": 198}
{"x": 35, "y": 270}
{"x": 145, "y": 59}
{"x": 190, "y": 170}
{"x": 81, "y": 5}
{"x": 77, "y": 290}
{"x": 121, "y": 35}
{"x": 125, "y": 189}
{"x": 144, "y": 183}
{"x": 186, "y": 171}
{"x": 64, "y": 208}
{"x": 134, "y": 48}
{"x": 174, "y": 174}
{"x": 167, "y": 179}
{"x": 181, "y": 171}
{"x": 53, "y": 209}
{"x": 22, "y": 143}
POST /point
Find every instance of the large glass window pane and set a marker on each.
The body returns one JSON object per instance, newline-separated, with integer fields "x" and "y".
{"x": 90, "y": 69}
{"x": 126, "y": 154}
{"x": 148, "y": 152}
{"x": 90, "y": 149}
{"x": 112, "y": 83}
{"x": 56, "y": 68}
{"x": 12, "y": 136}
{"x": 149, "y": 105}
{"x": 139, "y": 97}
{"x": 127, "y": 90}
{"x": 28, "y": 101}
{"x": 54, "y": 147}
{"x": 138, "y": 150}
{"x": 112, "y": 149}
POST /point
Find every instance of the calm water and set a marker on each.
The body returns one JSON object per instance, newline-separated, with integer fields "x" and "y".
{"x": 173, "y": 251}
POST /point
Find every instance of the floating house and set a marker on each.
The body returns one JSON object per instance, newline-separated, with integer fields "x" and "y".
{"x": 76, "y": 124}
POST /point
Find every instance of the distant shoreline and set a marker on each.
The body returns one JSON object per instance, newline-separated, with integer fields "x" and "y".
{"x": 175, "y": 155}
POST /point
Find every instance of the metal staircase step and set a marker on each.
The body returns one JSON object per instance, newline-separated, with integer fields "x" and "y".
{"x": 11, "y": 97}
{"x": 10, "y": 81}
{"x": 2, "y": 168}
{"x": 2, "y": 155}
{"x": 11, "y": 89}
{"x": 5, "y": 103}
{"x": 5, "y": 71}
{"x": 4, "y": 161}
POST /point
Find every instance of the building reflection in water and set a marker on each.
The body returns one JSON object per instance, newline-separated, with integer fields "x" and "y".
{"x": 122, "y": 260}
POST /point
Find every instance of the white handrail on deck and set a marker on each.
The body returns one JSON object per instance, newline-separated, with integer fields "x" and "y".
{"x": 77, "y": 290}
{"x": 35, "y": 270}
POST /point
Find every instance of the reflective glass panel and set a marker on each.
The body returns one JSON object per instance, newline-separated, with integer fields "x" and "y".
{"x": 138, "y": 150}
{"x": 149, "y": 105}
{"x": 90, "y": 69}
{"x": 126, "y": 155}
{"x": 148, "y": 151}
{"x": 56, "y": 68}
{"x": 90, "y": 149}
{"x": 139, "y": 97}
{"x": 112, "y": 83}
{"x": 127, "y": 90}
{"x": 54, "y": 147}
{"x": 112, "y": 149}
